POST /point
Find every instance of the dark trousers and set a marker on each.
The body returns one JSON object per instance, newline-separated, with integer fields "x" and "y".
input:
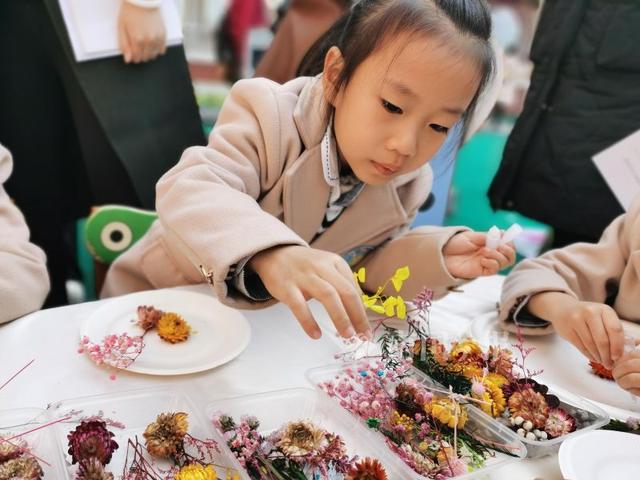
{"x": 65, "y": 158}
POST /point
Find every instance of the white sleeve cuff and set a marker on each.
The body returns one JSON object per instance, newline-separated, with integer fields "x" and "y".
{"x": 145, "y": 3}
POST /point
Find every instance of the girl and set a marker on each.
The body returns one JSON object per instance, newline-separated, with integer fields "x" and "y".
{"x": 581, "y": 291}
{"x": 24, "y": 282}
{"x": 304, "y": 180}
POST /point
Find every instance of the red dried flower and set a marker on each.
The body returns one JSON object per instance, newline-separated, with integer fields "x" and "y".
{"x": 600, "y": 370}
{"x": 91, "y": 439}
{"x": 148, "y": 316}
{"x": 367, "y": 469}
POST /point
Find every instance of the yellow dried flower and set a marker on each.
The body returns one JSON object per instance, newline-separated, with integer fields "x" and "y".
{"x": 447, "y": 411}
{"x": 197, "y": 472}
{"x": 165, "y": 435}
{"x": 493, "y": 399}
{"x": 402, "y": 419}
{"x": 173, "y": 328}
{"x": 466, "y": 347}
{"x": 496, "y": 379}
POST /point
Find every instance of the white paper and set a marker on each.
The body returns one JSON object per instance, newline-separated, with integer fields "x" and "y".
{"x": 92, "y": 26}
{"x": 511, "y": 234}
{"x": 493, "y": 238}
{"x": 620, "y": 167}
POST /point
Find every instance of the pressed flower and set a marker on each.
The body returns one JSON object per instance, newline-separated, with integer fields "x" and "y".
{"x": 91, "y": 439}
{"x": 148, "y": 317}
{"x": 530, "y": 405}
{"x": 399, "y": 277}
{"x": 197, "y": 472}
{"x": 367, "y": 469}
{"x": 10, "y": 450}
{"x": 447, "y": 411}
{"x": 92, "y": 469}
{"x": 559, "y": 423}
{"x": 173, "y": 328}
{"x": 361, "y": 275}
{"x": 600, "y": 370}
{"x": 164, "y": 436}
{"x": 301, "y": 438}
{"x": 23, "y": 468}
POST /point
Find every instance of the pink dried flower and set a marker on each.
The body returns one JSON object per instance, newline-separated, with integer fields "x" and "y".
{"x": 118, "y": 351}
{"x": 148, "y": 317}
{"x": 559, "y": 423}
{"x": 91, "y": 440}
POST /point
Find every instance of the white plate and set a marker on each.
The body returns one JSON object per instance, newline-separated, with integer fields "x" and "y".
{"x": 563, "y": 365}
{"x": 218, "y": 333}
{"x": 601, "y": 455}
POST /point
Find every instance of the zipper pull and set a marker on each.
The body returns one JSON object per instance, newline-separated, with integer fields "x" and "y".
{"x": 207, "y": 274}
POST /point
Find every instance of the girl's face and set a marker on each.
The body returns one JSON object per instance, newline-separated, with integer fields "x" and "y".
{"x": 395, "y": 112}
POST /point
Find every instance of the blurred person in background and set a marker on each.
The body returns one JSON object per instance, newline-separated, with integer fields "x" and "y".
{"x": 88, "y": 133}
{"x": 583, "y": 97}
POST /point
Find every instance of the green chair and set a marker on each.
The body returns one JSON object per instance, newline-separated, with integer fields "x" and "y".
{"x": 109, "y": 231}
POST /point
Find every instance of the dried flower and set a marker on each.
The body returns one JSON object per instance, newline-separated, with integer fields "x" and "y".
{"x": 301, "y": 438}
{"x": 91, "y": 439}
{"x": 367, "y": 469}
{"x": 173, "y": 328}
{"x": 148, "y": 317}
{"x": 23, "y": 468}
{"x": 493, "y": 399}
{"x": 559, "y": 423}
{"x": 118, "y": 351}
{"x": 447, "y": 411}
{"x": 600, "y": 370}
{"x": 10, "y": 450}
{"x": 197, "y": 472}
{"x": 530, "y": 405}
{"x": 500, "y": 361}
{"x": 92, "y": 469}
{"x": 164, "y": 436}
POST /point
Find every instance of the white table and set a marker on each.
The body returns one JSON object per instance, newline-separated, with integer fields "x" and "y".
{"x": 277, "y": 357}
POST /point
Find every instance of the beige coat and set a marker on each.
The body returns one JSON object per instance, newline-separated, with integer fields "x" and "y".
{"x": 24, "y": 282}
{"x": 259, "y": 183}
{"x": 586, "y": 271}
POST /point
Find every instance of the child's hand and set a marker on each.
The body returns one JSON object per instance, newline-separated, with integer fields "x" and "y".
{"x": 294, "y": 274}
{"x": 141, "y": 33}
{"x": 627, "y": 372}
{"x": 594, "y": 328}
{"x": 465, "y": 256}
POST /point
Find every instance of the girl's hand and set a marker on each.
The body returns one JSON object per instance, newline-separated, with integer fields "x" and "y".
{"x": 141, "y": 33}
{"x": 593, "y": 328}
{"x": 627, "y": 372}
{"x": 465, "y": 256}
{"x": 295, "y": 274}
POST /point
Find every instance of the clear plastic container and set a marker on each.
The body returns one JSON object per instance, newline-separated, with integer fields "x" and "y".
{"x": 134, "y": 410}
{"x": 41, "y": 442}
{"x": 275, "y": 409}
{"x": 477, "y": 424}
{"x": 588, "y": 416}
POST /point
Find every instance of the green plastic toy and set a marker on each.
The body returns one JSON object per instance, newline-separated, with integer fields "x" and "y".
{"x": 112, "y": 229}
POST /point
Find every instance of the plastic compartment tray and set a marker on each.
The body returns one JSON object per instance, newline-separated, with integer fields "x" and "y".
{"x": 477, "y": 422}
{"x": 42, "y": 441}
{"x": 276, "y": 408}
{"x": 135, "y": 409}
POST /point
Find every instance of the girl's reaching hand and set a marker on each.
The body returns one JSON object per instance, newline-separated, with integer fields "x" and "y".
{"x": 295, "y": 274}
{"x": 466, "y": 256}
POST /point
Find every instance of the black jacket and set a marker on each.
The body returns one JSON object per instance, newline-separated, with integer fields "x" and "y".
{"x": 584, "y": 96}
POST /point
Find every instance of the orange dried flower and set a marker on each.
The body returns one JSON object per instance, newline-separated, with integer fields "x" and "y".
{"x": 173, "y": 328}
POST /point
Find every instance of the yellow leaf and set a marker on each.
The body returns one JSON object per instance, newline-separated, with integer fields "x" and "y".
{"x": 389, "y": 306}
{"x": 360, "y": 276}
{"x": 368, "y": 301}
{"x": 377, "y": 308}
{"x": 399, "y": 277}
{"x": 401, "y": 308}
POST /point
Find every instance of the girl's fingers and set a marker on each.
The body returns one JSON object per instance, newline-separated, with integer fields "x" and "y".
{"x": 327, "y": 294}
{"x": 350, "y": 294}
{"x": 600, "y": 339}
{"x": 583, "y": 333}
{"x": 615, "y": 332}
{"x": 294, "y": 299}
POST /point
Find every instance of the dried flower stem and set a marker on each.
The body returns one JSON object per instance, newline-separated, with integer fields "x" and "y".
{"x": 17, "y": 373}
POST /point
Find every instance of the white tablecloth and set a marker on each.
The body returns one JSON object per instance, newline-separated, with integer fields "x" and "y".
{"x": 277, "y": 357}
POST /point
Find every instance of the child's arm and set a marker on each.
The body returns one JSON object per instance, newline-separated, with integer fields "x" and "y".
{"x": 208, "y": 207}
{"x": 439, "y": 258}
{"x": 24, "y": 282}
{"x": 566, "y": 289}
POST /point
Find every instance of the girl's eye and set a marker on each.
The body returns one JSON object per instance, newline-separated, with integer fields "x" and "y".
{"x": 391, "y": 108}
{"x": 439, "y": 128}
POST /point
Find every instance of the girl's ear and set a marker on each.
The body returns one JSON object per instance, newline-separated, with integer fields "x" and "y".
{"x": 333, "y": 64}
